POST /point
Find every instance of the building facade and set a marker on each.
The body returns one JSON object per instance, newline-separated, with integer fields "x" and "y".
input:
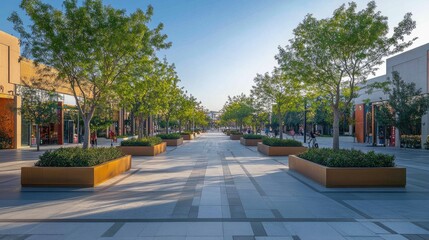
{"x": 13, "y": 73}
{"x": 412, "y": 66}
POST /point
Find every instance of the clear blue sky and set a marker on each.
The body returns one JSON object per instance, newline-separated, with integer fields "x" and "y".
{"x": 220, "y": 45}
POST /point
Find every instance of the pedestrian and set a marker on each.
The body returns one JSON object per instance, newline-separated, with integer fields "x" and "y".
{"x": 292, "y": 133}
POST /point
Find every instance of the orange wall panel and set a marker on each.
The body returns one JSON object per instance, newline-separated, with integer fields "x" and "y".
{"x": 360, "y": 123}
{"x": 7, "y": 120}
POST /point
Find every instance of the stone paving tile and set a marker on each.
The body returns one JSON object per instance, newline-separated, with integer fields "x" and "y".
{"x": 312, "y": 230}
{"x": 45, "y": 237}
{"x": 351, "y": 229}
{"x": 220, "y": 180}
{"x": 405, "y": 228}
{"x": 237, "y": 228}
{"x": 393, "y": 237}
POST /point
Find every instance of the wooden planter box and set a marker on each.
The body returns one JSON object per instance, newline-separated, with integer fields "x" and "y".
{"x": 250, "y": 142}
{"x": 235, "y": 137}
{"x": 187, "y": 136}
{"x": 173, "y": 142}
{"x": 74, "y": 176}
{"x": 349, "y": 177}
{"x": 144, "y": 150}
{"x": 280, "y": 151}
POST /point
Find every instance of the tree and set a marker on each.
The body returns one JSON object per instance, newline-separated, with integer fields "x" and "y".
{"x": 38, "y": 107}
{"x": 239, "y": 110}
{"x": 405, "y": 105}
{"x": 171, "y": 104}
{"x": 91, "y": 47}
{"x": 279, "y": 91}
{"x": 338, "y": 53}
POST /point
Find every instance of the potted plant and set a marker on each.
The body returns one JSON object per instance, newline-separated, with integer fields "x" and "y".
{"x": 349, "y": 168}
{"x": 235, "y": 135}
{"x": 280, "y": 147}
{"x": 148, "y": 146}
{"x": 187, "y": 135}
{"x": 75, "y": 167}
{"x": 251, "y": 139}
{"x": 172, "y": 139}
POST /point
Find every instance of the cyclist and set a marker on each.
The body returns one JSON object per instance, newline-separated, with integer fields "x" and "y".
{"x": 313, "y": 142}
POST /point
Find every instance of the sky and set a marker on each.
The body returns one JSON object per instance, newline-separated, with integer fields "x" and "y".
{"x": 220, "y": 45}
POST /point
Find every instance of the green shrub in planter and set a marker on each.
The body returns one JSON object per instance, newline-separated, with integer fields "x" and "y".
{"x": 77, "y": 157}
{"x": 348, "y": 158}
{"x": 170, "y": 136}
{"x": 5, "y": 140}
{"x": 147, "y": 141}
{"x": 252, "y": 136}
{"x": 235, "y": 132}
{"x": 124, "y": 136}
{"x": 276, "y": 142}
{"x": 187, "y": 132}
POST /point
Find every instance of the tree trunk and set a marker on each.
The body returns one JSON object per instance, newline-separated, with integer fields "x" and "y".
{"x": 37, "y": 137}
{"x": 86, "y": 133}
{"x": 280, "y": 126}
{"x": 132, "y": 123}
{"x": 167, "y": 125}
{"x": 336, "y": 129}
{"x": 141, "y": 126}
{"x": 180, "y": 126}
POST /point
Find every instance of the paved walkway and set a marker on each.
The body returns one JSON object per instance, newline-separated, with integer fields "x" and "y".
{"x": 214, "y": 188}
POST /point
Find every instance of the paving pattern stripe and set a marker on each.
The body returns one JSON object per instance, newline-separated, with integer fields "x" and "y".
{"x": 60, "y": 220}
{"x": 276, "y": 213}
{"x": 258, "y": 229}
{"x": 295, "y": 237}
{"x": 252, "y": 179}
{"x": 385, "y": 227}
{"x": 183, "y": 207}
{"x": 113, "y": 229}
{"x": 243, "y": 238}
{"x": 14, "y": 236}
{"x": 236, "y": 208}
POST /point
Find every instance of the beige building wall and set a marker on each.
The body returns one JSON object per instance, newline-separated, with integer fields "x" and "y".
{"x": 9, "y": 76}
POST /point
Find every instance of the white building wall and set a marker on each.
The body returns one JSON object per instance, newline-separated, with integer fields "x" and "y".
{"x": 412, "y": 66}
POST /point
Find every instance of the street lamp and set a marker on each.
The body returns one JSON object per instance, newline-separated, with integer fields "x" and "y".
{"x": 305, "y": 120}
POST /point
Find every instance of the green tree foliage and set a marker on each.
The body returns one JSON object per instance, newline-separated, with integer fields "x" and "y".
{"x": 338, "y": 53}
{"x": 146, "y": 93}
{"x": 280, "y": 91}
{"x": 238, "y": 109}
{"x": 91, "y": 46}
{"x": 405, "y": 105}
{"x": 38, "y": 107}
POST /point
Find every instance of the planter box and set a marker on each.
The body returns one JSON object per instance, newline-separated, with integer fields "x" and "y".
{"x": 235, "y": 137}
{"x": 187, "y": 136}
{"x": 250, "y": 142}
{"x": 280, "y": 151}
{"x": 349, "y": 177}
{"x": 144, "y": 150}
{"x": 173, "y": 142}
{"x": 74, "y": 176}
{"x": 127, "y": 138}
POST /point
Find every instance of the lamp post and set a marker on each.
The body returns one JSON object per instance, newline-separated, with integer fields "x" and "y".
{"x": 305, "y": 120}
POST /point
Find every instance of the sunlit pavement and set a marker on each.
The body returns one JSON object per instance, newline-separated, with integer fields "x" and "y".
{"x": 215, "y": 188}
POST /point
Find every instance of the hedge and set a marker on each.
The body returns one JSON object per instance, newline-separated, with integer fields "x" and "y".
{"x": 233, "y": 132}
{"x": 348, "y": 158}
{"x": 147, "y": 141}
{"x": 187, "y": 133}
{"x": 170, "y": 136}
{"x": 252, "y": 136}
{"x": 77, "y": 157}
{"x": 276, "y": 142}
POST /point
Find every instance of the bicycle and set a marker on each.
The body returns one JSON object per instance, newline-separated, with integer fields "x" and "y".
{"x": 312, "y": 143}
